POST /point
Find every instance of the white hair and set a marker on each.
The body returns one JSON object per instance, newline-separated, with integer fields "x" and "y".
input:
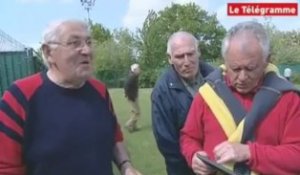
{"x": 134, "y": 66}
{"x": 181, "y": 34}
{"x": 252, "y": 27}
{"x": 53, "y": 31}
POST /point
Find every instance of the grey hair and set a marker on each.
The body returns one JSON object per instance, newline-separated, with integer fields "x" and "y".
{"x": 53, "y": 31}
{"x": 253, "y": 27}
{"x": 181, "y": 34}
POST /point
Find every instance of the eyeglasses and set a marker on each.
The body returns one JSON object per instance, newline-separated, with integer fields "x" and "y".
{"x": 74, "y": 44}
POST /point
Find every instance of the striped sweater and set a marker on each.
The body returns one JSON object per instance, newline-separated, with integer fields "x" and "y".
{"x": 49, "y": 130}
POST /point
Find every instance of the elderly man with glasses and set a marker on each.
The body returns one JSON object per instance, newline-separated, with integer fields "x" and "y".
{"x": 61, "y": 121}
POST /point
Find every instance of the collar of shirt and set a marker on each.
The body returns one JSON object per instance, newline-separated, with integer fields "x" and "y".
{"x": 193, "y": 86}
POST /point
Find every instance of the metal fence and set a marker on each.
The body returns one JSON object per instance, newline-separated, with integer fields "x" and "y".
{"x": 16, "y": 61}
{"x": 294, "y": 67}
{"x": 15, "y": 65}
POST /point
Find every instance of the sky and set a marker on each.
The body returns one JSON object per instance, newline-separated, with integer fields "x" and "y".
{"x": 25, "y": 20}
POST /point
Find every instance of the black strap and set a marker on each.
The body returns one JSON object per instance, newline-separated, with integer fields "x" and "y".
{"x": 241, "y": 168}
{"x": 264, "y": 100}
{"x": 237, "y": 110}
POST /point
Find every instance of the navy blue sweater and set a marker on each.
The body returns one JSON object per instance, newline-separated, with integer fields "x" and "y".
{"x": 65, "y": 131}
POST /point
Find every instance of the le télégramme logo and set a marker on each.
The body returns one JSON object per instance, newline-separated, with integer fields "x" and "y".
{"x": 262, "y": 9}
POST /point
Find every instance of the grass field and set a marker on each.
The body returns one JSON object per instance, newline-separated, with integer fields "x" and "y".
{"x": 141, "y": 145}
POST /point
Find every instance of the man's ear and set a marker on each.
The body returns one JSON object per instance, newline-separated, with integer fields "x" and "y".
{"x": 46, "y": 50}
{"x": 47, "y": 53}
{"x": 169, "y": 59}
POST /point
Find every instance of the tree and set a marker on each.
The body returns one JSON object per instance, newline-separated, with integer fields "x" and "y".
{"x": 159, "y": 26}
{"x": 114, "y": 56}
{"x": 285, "y": 46}
{"x": 100, "y": 33}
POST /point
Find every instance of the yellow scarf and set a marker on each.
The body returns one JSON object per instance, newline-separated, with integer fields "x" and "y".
{"x": 222, "y": 113}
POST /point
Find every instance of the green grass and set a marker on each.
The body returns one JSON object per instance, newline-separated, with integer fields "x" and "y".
{"x": 141, "y": 145}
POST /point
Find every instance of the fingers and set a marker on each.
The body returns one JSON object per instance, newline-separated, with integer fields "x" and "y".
{"x": 224, "y": 152}
{"x": 227, "y": 157}
{"x": 198, "y": 166}
{"x": 231, "y": 152}
{"x": 220, "y": 146}
{"x": 202, "y": 171}
{"x": 132, "y": 171}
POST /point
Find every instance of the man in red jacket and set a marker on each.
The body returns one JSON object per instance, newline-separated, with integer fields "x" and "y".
{"x": 246, "y": 116}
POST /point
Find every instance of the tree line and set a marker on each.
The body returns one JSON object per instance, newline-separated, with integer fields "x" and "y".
{"x": 116, "y": 50}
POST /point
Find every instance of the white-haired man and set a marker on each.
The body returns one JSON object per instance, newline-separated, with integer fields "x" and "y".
{"x": 131, "y": 93}
{"x": 172, "y": 96}
{"x": 287, "y": 73}
{"x": 245, "y": 116}
{"x": 61, "y": 121}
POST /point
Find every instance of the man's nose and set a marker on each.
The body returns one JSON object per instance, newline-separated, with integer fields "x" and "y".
{"x": 187, "y": 59}
{"x": 243, "y": 75}
{"x": 86, "y": 49}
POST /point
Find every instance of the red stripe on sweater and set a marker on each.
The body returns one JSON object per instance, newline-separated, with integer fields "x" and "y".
{"x": 11, "y": 157}
{"x": 29, "y": 84}
{"x": 8, "y": 122}
{"x": 101, "y": 88}
{"x": 14, "y": 104}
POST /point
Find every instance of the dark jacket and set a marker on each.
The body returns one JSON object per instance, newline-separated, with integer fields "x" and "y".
{"x": 170, "y": 105}
{"x": 131, "y": 86}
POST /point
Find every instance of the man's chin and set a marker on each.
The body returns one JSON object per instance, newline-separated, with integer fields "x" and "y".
{"x": 85, "y": 74}
{"x": 188, "y": 76}
{"x": 243, "y": 90}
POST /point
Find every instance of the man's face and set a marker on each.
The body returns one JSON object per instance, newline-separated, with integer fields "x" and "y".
{"x": 137, "y": 71}
{"x": 72, "y": 58}
{"x": 245, "y": 64}
{"x": 184, "y": 57}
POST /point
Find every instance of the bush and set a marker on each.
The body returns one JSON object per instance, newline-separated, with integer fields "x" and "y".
{"x": 296, "y": 78}
{"x": 148, "y": 78}
{"x": 112, "y": 78}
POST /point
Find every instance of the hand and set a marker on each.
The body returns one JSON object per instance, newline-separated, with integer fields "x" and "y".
{"x": 199, "y": 167}
{"x": 231, "y": 152}
{"x": 129, "y": 170}
{"x": 132, "y": 171}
